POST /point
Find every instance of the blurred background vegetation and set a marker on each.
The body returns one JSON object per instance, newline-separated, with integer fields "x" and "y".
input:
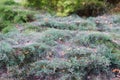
{"x": 81, "y": 7}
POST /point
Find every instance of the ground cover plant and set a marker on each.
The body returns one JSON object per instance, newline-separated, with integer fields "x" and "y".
{"x": 41, "y": 46}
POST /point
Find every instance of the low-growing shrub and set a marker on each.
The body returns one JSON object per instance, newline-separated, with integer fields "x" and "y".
{"x": 33, "y": 28}
{"x": 95, "y": 38}
{"x": 51, "y": 36}
{"x": 72, "y": 68}
{"x": 113, "y": 57}
{"x": 5, "y": 52}
{"x": 78, "y": 52}
{"x": 8, "y": 28}
{"x": 72, "y": 22}
{"x": 98, "y": 63}
{"x": 116, "y": 19}
{"x": 32, "y": 57}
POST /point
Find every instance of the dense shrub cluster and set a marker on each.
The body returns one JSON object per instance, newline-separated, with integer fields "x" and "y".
{"x": 74, "y": 22}
{"x": 54, "y": 54}
{"x": 55, "y": 48}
